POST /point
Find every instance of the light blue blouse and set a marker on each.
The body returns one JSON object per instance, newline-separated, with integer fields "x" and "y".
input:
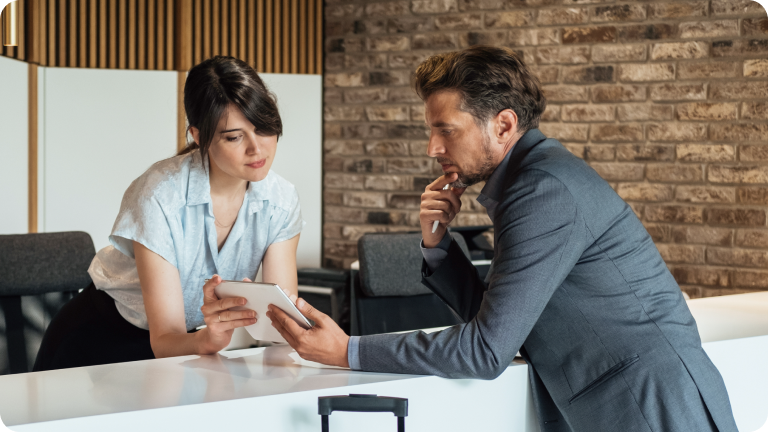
{"x": 169, "y": 210}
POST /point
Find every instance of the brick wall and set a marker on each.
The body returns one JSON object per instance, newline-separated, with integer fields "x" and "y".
{"x": 668, "y": 101}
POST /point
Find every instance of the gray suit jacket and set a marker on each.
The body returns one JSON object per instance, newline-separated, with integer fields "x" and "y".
{"x": 578, "y": 287}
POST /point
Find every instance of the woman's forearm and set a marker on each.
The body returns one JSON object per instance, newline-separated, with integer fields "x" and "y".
{"x": 179, "y": 344}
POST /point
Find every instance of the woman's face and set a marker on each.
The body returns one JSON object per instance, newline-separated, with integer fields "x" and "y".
{"x": 238, "y": 150}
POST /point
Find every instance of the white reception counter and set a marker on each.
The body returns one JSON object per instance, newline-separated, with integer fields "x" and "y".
{"x": 273, "y": 389}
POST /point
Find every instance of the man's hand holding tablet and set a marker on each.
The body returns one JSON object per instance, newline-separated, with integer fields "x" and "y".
{"x": 324, "y": 343}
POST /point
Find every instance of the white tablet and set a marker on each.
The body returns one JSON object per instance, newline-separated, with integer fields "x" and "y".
{"x": 258, "y": 297}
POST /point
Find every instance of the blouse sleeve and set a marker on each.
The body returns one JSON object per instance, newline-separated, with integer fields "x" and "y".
{"x": 293, "y": 223}
{"x": 142, "y": 219}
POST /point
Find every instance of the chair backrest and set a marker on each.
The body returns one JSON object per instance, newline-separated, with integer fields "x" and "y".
{"x": 46, "y": 269}
{"x": 390, "y": 263}
{"x": 32, "y": 264}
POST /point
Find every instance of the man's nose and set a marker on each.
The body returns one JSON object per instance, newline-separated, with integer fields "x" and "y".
{"x": 435, "y": 147}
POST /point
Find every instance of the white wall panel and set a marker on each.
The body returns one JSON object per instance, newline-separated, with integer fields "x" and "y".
{"x": 299, "y": 153}
{"x": 103, "y": 128}
{"x": 14, "y": 144}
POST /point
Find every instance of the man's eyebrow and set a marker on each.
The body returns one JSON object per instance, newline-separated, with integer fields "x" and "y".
{"x": 230, "y": 130}
{"x": 442, "y": 124}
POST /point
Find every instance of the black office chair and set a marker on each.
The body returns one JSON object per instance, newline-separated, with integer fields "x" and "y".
{"x": 46, "y": 270}
{"x": 387, "y": 294}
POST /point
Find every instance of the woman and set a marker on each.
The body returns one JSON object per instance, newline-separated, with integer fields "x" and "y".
{"x": 214, "y": 211}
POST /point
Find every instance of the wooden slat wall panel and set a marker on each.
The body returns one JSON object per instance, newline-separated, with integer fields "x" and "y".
{"x": 277, "y": 36}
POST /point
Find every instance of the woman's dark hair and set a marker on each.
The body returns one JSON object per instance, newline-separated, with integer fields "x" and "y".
{"x": 218, "y": 82}
{"x": 489, "y": 79}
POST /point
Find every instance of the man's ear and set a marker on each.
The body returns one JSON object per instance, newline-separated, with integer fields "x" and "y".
{"x": 506, "y": 125}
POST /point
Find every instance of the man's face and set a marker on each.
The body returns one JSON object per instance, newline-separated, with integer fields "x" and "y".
{"x": 456, "y": 141}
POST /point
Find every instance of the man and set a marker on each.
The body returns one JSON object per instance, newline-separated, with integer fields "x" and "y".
{"x": 576, "y": 284}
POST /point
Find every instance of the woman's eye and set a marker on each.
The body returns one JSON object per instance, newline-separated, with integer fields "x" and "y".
{"x": 233, "y": 138}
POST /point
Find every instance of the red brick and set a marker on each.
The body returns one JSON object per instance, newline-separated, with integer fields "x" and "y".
{"x": 648, "y": 32}
{"x": 614, "y": 53}
{"x": 433, "y": 6}
{"x": 681, "y": 253}
{"x": 750, "y": 278}
{"x": 480, "y": 4}
{"x": 417, "y": 113}
{"x": 618, "y": 171}
{"x": 387, "y": 148}
{"x": 403, "y": 201}
{"x": 694, "y": 70}
{"x": 736, "y": 7}
{"x": 754, "y": 27}
{"x": 588, "y": 113}
{"x": 354, "y": 79}
{"x": 677, "y": 131}
{"x": 578, "y": 150}
{"x": 344, "y": 214}
{"x": 599, "y": 152}
{"x": 363, "y": 165}
{"x": 674, "y": 213}
{"x": 401, "y": 95}
{"x": 354, "y": 232}
{"x": 707, "y": 111}
{"x": 509, "y": 19}
{"x": 737, "y": 257}
{"x": 409, "y": 24}
{"x": 730, "y": 216}
{"x": 754, "y": 110}
{"x": 679, "y": 50}
{"x": 467, "y": 21}
{"x": 705, "y": 194}
{"x": 545, "y": 74}
{"x": 535, "y": 37}
{"x": 647, "y": 72}
{"x": 738, "y": 132}
{"x": 365, "y": 95}
{"x": 387, "y": 113}
{"x": 709, "y": 29}
{"x": 754, "y": 153}
{"x": 412, "y": 131}
{"x": 618, "y": 93}
{"x": 367, "y": 61}
{"x": 756, "y": 68}
{"x": 589, "y": 34}
{"x": 644, "y": 192}
{"x": 678, "y": 10}
{"x": 751, "y": 238}
{"x": 409, "y": 166}
{"x": 613, "y": 132}
{"x": 363, "y": 131}
{"x": 635, "y": 112}
{"x": 406, "y": 60}
{"x": 675, "y": 91}
{"x": 674, "y": 173}
{"x": 343, "y": 113}
{"x": 562, "y": 16}
{"x": 340, "y": 248}
{"x": 739, "y": 47}
{"x": 642, "y": 152}
{"x": 393, "y": 8}
{"x": 388, "y": 182}
{"x": 701, "y": 235}
{"x": 565, "y": 93}
{"x": 588, "y": 74}
{"x": 752, "y": 195}
{"x": 435, "y": 41}
{"x": 344, "y": 11}
{"x": 482, "y": 38}
{"x": 738, "y": 174}
{"x": 566, "y": 55}
{"x": 345, "y": 45}
{"x": 565, "y": 132}
{"x": 705, "y": 152}
{"x": 701, "y": 275}
{"x": 344, "y": 148}
{"x": 551, "y": 113}
{"x": 627, "y": 12}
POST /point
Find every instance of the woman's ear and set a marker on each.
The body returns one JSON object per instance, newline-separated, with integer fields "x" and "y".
{"x": 195, "y": 134}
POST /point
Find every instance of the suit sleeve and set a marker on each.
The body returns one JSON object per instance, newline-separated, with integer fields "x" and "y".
{"x": 540, "y": 236}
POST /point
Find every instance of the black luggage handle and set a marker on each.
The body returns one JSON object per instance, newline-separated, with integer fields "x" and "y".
{"x": 326, "y": 405}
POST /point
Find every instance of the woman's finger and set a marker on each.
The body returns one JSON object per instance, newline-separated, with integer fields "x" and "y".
{"x": 209, "y": 294}
{"x": 221, "y": 305}
{"x": 229, "y": 325}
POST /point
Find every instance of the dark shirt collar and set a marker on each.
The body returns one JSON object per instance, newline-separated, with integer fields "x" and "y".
{"x": 490, "y": 195}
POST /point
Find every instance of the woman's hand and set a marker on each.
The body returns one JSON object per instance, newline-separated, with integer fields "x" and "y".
{"x": 220, "y": 319}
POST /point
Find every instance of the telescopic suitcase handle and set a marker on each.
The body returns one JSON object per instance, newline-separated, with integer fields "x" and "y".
{"x": 326, "y": 405}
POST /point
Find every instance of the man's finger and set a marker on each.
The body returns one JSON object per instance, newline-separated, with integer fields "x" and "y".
{"x": 309, "y": 311}
{"x": 277, "y": 324}
{"x": 443, "y": 180}
{"x": 286, "y": 321}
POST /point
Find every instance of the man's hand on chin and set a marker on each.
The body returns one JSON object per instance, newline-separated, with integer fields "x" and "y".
{"x": 324, "y": 343}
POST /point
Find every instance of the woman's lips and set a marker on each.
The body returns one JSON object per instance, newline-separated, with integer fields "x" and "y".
{"x": 257, "y": 164}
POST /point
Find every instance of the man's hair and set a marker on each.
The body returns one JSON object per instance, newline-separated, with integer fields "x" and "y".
{"x": 489, "y": 79}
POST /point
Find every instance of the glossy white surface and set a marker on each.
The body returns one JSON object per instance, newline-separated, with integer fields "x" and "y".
{"x": 273, "y": 389}
{"x": 731, "y": 317}
{"x": 14, "y": 144}
{"x": 269, "y": 388}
